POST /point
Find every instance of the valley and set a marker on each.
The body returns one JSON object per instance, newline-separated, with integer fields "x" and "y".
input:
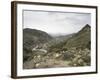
{"x": 42, "y": 50}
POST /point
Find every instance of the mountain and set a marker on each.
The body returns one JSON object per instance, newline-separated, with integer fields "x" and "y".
{"x": 81, "y": 39}
{"x": 74, "y": 50}
{"x": 59, "y": 51}
{"x": 31, "y": 39}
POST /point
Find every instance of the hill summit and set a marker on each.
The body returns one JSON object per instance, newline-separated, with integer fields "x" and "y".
{"x": 80, "y": 39}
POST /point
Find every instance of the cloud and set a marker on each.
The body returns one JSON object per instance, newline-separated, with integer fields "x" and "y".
{"x": 56, "y": 22}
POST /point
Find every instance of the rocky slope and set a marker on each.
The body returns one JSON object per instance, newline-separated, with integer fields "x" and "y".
{"x": 82, "y": 39}
{"x": 66, "y": 51}
{"x": 31, "y": 39}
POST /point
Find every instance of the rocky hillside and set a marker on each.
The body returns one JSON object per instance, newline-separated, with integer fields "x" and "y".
{"x": 61, "y": 51}
{"x": 82, "y": 39}
{"x": 33, "y": 38}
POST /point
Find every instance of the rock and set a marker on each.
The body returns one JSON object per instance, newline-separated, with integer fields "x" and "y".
{"x": 57, "y": 55}
{"x": 37, "y": 65}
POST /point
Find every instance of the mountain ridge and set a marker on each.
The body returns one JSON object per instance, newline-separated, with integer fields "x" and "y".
{"x": 81, "y": 38}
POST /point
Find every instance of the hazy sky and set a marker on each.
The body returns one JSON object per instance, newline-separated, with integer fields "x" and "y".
{"x": 56, "y": 22}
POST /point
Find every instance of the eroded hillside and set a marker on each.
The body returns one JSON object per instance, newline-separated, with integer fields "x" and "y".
{"x": 41, "y": 50}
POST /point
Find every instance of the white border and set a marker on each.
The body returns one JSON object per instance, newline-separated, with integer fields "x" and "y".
{"x": 21, "y": 72}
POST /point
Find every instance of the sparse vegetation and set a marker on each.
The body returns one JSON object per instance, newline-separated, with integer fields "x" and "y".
{"x": 43, "y": 51}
